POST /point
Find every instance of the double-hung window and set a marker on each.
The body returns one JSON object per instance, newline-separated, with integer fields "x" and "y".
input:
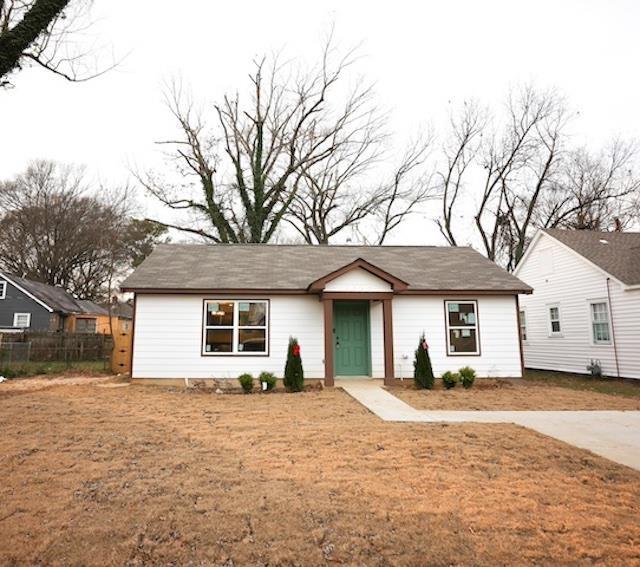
{"x": 600, "y": 329}
{"x": 523, "y": 325}
{"x": 3, "y": 289}
{"x": 462, "y": 328}
{"x": 554, "y": 321}
{"x": 235, "y": 327}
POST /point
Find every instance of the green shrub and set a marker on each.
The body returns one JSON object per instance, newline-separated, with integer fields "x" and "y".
{"x": 269, "y": 378}
{"x": 246, "y": 381}
{"x": 293, "y": 371}
{"x": 422, "y": 371}
{"x": 449, "y": 379}
{"x": 467, "y": 376}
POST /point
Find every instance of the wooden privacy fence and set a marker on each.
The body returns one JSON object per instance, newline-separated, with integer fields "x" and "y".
{"x": 32, "y": 346}
{"x": 121, "y": 357}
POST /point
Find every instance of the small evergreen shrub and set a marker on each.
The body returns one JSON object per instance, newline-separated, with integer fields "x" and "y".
{"x": 246, "y": 381}
{"x": 293, "y": 371}
{"x": 269, "y": 378}
{"x": 422, "y": 371}
{"x": 467, "y": 376}
{"x": 449, "y": 379}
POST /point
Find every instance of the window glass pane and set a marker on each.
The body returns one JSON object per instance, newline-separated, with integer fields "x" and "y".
{"x": 85, "y": 326}
{"x": 219, "y": 314}
{"x": 601, "y": 332}
{"x": 462, "y": 340}
{"x": 252, "y": 340}
{"x": 252, "y": 314}
{"x": 555, "y": 326}
{"x": 553, "y": 313}
{"x": 219, "y": 340}
{"x": 599, "y": 312}
{"x": 462, "y": 314}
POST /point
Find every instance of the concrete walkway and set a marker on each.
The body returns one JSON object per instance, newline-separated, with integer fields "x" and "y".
{"x": 614, "y": 435}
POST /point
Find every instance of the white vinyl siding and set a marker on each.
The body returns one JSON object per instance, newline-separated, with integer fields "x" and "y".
{"x": 358, "y": 280}
{"x": 168, "y": 337}
{"x": 574, "y": 284}
{"x": 498, "y": 336}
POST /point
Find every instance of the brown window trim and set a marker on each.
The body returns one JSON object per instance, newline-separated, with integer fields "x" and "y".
{"x": 236, "y": 354}
{"x": 477, "y": 328}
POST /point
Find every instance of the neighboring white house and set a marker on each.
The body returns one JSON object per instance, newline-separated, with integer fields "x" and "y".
{"x": 216, "y": 311}
{"x": 586, "y": 303}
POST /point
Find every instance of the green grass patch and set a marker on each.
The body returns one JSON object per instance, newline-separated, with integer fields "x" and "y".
{"x": 614, "y": 386}
{"x": 25, "y": 369}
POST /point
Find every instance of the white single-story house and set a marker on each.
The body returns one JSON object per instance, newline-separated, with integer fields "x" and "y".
{"x": 586, "y": 305}
{"x": 216, "y": 311}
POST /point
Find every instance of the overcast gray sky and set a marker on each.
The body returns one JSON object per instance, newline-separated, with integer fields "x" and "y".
{"x": 423, "y": 57}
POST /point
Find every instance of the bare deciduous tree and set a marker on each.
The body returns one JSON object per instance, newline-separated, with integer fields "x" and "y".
{"x": 459, "y": 152}
{"x": 53, "y": 231}
{"x": 531, "y": 178}
{"x": 247, "y": 169}
{"x": 47, "y": 33}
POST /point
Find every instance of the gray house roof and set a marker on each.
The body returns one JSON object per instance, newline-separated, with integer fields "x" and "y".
{"x": 57, "y": 298}
{"x": 617, "y": 253}
{"x": 187, "y": 267}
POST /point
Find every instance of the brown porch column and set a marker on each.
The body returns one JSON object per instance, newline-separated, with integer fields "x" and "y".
{"x": 328, "y": 341}
{"x": 387, "y": 323}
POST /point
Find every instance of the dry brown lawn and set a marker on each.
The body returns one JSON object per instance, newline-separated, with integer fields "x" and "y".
{"x": 141, "y": 475}
{"x": 490, "y": 394}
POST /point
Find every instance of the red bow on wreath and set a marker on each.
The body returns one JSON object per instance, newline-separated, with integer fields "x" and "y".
{"x": 296, "y": 350}
{"x": 425, "y": 346}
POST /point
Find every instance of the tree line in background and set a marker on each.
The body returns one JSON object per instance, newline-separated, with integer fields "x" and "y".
{"x": 308, "y": 151}
{"x": 304, "y": 152}
{"x": 54, "y": 230}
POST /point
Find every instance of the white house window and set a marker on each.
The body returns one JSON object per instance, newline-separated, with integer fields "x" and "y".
{"x": 86, "y": 325}
{"x": 235, "y": 327}
{"x": 462, "y": 327}
{"x": 3, "y": 289}
{"x": 554, "y": 320}
{"x": 22, "y": 320}
{"x": 600, "y": 322}
{"x": 523, "y": 325}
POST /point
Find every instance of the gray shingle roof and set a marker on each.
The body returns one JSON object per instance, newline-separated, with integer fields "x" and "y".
{"x": 619, "y": 255}
{"x": 57, "y": 298}
{"x": 284, "y": 267}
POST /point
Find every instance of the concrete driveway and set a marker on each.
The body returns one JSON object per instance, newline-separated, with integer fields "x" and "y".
{"x": 614, "y": 435}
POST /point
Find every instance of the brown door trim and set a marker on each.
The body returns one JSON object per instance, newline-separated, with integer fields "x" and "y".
{"x": 327, "y": 305}
{"x": 387, "y": 323}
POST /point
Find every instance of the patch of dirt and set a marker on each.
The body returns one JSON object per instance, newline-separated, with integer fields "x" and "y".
{"x": 490, "y": 394}
{"x": 34, "y": 383}
{"x": 143, "y": 475}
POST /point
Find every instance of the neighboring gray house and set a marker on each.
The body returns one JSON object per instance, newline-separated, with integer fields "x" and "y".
{"x": 25, "y": 304}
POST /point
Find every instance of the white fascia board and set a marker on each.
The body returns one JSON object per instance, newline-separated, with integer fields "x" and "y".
{"x": 14, "y": 284}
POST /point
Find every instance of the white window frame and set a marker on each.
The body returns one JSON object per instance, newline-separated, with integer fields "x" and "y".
{"x": 522, "y": 324}
{"x": 553, "y": 333}
{"x": 15, "y": 320}
{"x": 235, "y": 327}
{"x": 475, "y": 327}
{"x": 595, "y": 342}
{"x": 3, "y": 289}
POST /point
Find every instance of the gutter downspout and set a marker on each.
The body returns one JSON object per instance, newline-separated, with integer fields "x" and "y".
{"x": 613, "y": 330}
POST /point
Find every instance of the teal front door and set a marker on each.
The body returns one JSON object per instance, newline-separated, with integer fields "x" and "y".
{"x": 351, "y": 338}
